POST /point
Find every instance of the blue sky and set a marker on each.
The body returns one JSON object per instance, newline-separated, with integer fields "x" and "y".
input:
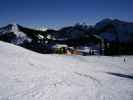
{"x": 58, "y": 13}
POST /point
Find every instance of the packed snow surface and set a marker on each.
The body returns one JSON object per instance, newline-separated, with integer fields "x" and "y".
{"x": 25, "y": 75}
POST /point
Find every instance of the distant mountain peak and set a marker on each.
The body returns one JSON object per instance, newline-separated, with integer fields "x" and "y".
{"x": 14, "y": 28}
{"x": 106, "y": 20}
{"x": 103, "y": 22}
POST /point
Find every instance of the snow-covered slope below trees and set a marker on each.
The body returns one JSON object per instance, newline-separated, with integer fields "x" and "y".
{"x": 26, "y": 75}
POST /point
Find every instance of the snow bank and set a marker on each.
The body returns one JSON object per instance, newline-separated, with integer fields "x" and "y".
{"x": 26, "y": 75}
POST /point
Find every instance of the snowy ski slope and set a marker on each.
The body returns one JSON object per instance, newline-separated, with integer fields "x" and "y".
{"x": 26, "y": 75}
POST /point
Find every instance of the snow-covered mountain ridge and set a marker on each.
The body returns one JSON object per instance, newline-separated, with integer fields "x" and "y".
{"x": 12, "y": 34}
{"x": 104, "y": 28}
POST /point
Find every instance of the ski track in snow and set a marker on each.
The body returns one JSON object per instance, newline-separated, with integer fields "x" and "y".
{"x": 26, "y": 75}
